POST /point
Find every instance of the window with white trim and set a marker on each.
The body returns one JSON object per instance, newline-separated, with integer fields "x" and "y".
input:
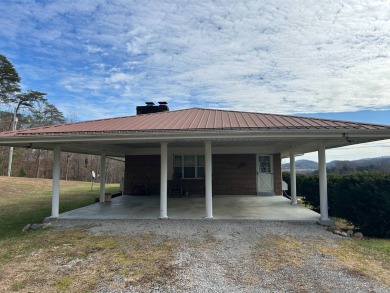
{"x": 188, "y": 166}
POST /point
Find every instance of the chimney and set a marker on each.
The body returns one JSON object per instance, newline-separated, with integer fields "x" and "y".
{"x": 163, "y": 106}
{"x": 152, "y": 108}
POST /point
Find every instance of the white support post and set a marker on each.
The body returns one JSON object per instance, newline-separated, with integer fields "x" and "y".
{"x": 324, "y": 218}
{"x": 102, "y": 177}
{"x": 208, "y": 179}
{"x": 55, "y": 200}
{"x": 164, "y": 181}
{"x": 10, "y": 157}
{"x": 293, "y": 179}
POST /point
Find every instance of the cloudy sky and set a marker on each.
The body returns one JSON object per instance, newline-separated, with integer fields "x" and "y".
{"x": 97, "y": 59}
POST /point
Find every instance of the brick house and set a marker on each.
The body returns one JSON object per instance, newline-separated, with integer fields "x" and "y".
{"x": 199, "y": 151}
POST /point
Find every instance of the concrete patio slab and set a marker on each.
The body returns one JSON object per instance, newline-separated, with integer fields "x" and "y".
{"x": 275, "y": 208}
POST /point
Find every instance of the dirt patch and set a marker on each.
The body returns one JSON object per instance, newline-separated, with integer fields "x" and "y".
{"x": 277, "y": 252}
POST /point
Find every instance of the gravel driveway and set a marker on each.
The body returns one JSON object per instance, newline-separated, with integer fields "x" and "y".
{"x": 245, "y": 256}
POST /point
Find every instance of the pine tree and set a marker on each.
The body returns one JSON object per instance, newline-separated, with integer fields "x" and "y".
{"x": 9, "y": 79}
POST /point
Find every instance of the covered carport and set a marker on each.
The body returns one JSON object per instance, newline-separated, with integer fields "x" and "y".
{"x": 208, "y": 132}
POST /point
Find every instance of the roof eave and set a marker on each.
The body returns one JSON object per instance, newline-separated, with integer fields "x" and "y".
{"x": 199, "y": 135}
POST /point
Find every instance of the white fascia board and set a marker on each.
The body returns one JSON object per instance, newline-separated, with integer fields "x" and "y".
{"x": 199, "y": 135}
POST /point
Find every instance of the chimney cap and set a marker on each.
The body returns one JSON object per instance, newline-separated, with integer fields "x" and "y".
{"x": 151, "y": 108}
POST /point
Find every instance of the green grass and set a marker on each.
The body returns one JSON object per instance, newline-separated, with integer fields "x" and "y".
{"x": 26, "y": 200}
{"x": 378, "y": 246}
{"x": 64, "y": 283}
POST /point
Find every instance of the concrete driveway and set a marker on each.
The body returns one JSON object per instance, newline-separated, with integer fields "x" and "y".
{"x": 224, "y": 207}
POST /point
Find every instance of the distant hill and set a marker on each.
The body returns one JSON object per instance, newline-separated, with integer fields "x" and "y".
{"x": 302, "y": 164}
{"x": 380, "y": 164}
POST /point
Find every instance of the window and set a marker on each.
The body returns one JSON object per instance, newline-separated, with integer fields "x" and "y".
{"x": 188, "y": 166}
{"x": 265, "y": 164}
{"x": 200, "y": 166}
{"x": 178, "y": 172}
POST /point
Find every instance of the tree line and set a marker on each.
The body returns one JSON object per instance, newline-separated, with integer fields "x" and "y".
{"x": 371, "y": 165}
{"x": 381, "y": 164}
{"x": 25, "y": 109}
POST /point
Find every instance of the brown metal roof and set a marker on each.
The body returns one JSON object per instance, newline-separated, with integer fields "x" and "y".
{"x": 195, "y": 119}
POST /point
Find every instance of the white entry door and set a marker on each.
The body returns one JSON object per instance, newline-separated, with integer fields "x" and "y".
{"x": 265, "y": 175}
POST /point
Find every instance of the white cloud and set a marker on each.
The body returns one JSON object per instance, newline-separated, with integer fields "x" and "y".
{"x": 276, "y": 56}
{"x": 120, "y": 78}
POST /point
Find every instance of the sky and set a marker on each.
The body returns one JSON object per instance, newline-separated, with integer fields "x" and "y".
{"x": 99, "y": 59}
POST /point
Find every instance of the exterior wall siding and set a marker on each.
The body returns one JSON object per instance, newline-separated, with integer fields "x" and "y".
{"x": 142, "y": 175}
{"x": 233, "y": 174}
{"x": 277, "y": 161}
{"x": 190, "y": 186}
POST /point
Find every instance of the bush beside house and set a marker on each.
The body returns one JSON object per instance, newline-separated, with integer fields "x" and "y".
{"x": 363, "y": 199}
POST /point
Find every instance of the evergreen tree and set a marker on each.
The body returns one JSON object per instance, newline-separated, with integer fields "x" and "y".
{"x": 9, "y": 79}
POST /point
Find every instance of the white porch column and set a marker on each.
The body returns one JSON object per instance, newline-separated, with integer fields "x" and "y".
{"x": 164, "y": 181}
{"x": 324, "y": 219}
{"x": 55, "y": 199}
{"x": 293, "y": 179}
{"x": 208, "y": 179}
{"x": 102, "y": 177}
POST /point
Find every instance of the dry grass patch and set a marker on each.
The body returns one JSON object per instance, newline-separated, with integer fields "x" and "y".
{"x": 18, "y": 188}
{"x": 370, "y": 258}
{"x": 276, "y": 252}
{"x": 362, "y": 257}
{"x": 75, "y": 261}
{"x": 276, "y": 255}
{"x": 146, "y": 261}
{"x": 272, "y": 254}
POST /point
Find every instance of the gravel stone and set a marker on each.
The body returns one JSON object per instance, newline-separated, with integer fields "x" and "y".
{"x": 221, "y": 258}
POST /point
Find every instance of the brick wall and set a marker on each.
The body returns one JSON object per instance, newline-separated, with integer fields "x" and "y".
{"x": 234, "y": 174}
{"x": 189, "y": 186}
{"x": 277, "y": 174}
{"x": 141, "y": 171}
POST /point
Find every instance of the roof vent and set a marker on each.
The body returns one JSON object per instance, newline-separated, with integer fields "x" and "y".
{"x": 151, "y": 108}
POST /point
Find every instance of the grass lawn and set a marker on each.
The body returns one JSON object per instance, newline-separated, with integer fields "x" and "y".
{"x": 28, "y": 200}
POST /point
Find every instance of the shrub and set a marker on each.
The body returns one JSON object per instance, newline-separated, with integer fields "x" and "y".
{"x": 362, "y": 199}
{"x": 307, "y": 188}
{"x": 22, "y": 173}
